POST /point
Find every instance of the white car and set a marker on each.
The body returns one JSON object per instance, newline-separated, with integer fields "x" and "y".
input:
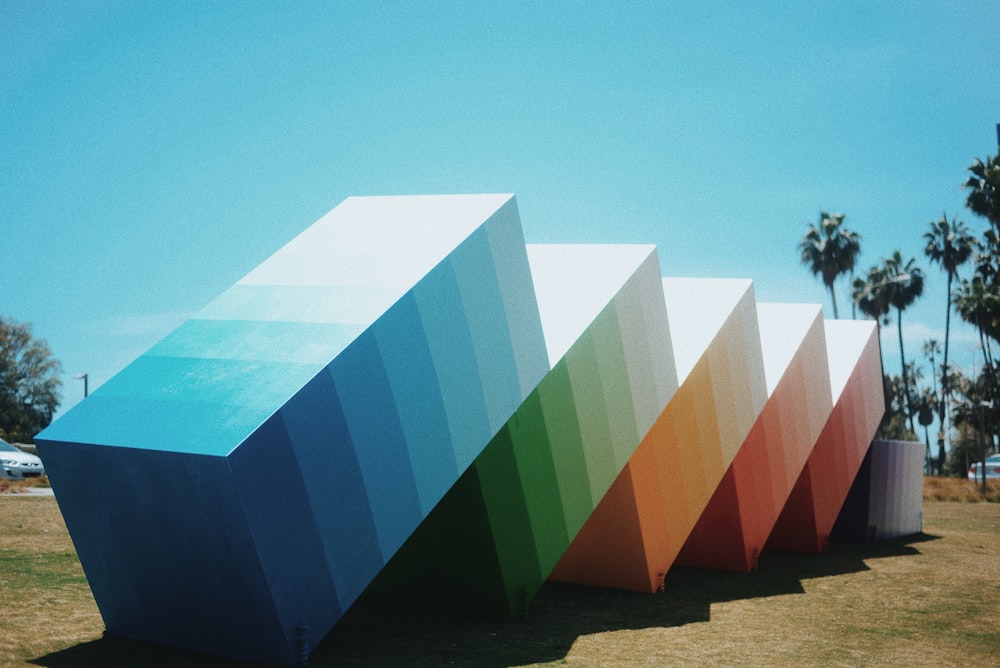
{"x": 992, "y": 468}
{"x": 17, "y": 465}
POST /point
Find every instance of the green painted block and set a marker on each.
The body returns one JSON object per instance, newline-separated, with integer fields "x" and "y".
{"x": 563, "y": 427}
{"x": 537, "y": 472}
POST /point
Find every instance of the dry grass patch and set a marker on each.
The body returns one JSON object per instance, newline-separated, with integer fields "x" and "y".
{"x": 960, "y": 489}
{"x": 22, "y": 486}
{"x": 931, "y": 600}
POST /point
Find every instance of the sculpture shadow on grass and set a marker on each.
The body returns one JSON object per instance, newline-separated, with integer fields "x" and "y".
{"x": 377, "y": 634}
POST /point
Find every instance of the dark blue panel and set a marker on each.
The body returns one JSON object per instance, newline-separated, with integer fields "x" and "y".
{"x": 403, "y": 348}
{"x": 318, "y": 432}
{"x": 166, "y": 548}
{"x": 372, "y": 420}
{"x": 286, "y": 534}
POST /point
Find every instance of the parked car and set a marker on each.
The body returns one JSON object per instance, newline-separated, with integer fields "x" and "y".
{"x": 992, "y": 468}
{"x": 17, "y": 465}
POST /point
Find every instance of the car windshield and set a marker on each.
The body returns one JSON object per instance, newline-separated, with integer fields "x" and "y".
{"x": 6, "y": 447}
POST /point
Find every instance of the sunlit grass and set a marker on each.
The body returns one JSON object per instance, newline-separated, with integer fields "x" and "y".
{"x": 929, "y": 599}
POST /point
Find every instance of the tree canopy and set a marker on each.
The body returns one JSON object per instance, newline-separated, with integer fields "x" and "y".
{"x": 29, "y": 382}
{"x": 829, "y": 250}
{"x": 984, "y": 189}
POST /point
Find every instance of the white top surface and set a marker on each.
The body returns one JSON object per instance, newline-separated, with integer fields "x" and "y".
{"x": 783, "y": 328}
{"x": 845, "y": 341}
{"x": 573, "y": 284}
{"x": 377, "y": 241}
{"x": 697, "y": 308}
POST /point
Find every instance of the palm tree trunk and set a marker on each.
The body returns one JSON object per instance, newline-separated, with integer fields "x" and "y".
{"x": 854, "y": 304}
{"x": 945, "y": 390}
{"x": 902, "y": 358}
{"x": 833, "y": 298}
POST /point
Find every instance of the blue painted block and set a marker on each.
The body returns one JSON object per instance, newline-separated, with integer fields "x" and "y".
{"x": 273, "y": 452}
{"x": 316, "y": 426}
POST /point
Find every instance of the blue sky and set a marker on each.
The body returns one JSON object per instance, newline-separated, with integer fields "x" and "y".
{"x": 155, "y": 152}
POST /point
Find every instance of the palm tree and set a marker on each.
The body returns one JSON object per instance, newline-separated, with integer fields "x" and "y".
{"x": 984, "y": 189}
{"x": 978, "y": 305}
{"x": 870, "y": 300}
{"x": 932, "y": 348}
{"x": 925, "y": 416}
{"x": 902, "y": 282}
{"x": 988, "y": 259}
{"x": 950, "y": 245}
{"x": 829, "y": 250}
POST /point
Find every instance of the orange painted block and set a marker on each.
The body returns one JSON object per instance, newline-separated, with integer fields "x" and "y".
{"x": 636, "y": 531}
{"x": 809, "y": 514}
{"x": 737, "y": 521}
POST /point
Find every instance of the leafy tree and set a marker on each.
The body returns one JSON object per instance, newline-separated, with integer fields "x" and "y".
{"x": 966, "y": 413}
{"x": 984, "y": 189}
{"x": 29, "y": 382}
{"x": 949, "y": 244}
{"x": 893, "y": 426}
{"x": 926, "y": 399}
{"x": 830, "y": 250}
{"x": 962, "y": 419}
{"x": 978, "y": 303}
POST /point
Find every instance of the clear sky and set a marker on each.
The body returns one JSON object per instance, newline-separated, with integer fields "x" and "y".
{"x": 152, "y": 153}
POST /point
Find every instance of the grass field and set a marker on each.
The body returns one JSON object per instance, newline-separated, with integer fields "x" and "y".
{"x": 931, "y": 600}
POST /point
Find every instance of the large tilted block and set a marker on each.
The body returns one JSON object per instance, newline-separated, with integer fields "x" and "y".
{"x": 236, "y": 487}
{"x": 885, "y": 500}
{"x": 495, "y": 537}
{"x": 635, "y": 533}
{"x": 807, "y": 519}
{"x": 732, "y": 531}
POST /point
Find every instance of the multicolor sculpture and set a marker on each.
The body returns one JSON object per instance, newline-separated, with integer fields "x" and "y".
{"x": 534, "y": 486}
{"x": 407, "y": 400}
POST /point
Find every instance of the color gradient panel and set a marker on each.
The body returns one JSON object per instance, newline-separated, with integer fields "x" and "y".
{"x": 635, "y": 533}
{"x": 737, "y": 521}
{"x": 809, "y": 514}
{"x": 495, "y": 537}
{"x": 273, "y": 453}
{"x": 886, "y": 498}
